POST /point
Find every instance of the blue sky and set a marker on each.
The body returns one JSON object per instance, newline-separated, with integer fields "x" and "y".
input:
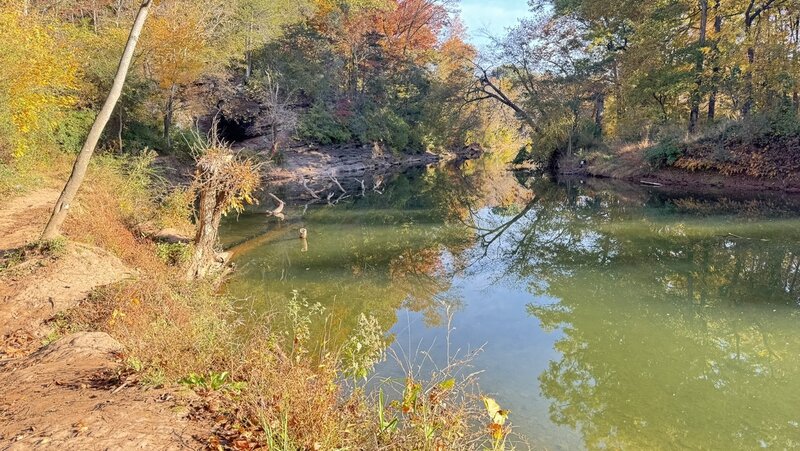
{"x": 494, "y": 16}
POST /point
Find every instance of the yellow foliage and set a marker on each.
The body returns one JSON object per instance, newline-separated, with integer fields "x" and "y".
{"x": 175, "y": 46}
{"x": 38, "y": 78}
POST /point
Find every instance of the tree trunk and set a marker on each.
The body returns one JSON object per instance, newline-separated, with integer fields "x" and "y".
{"x": 82, "y": 161}
{"x": 119, "y": 128}
{"x": 599, "y": 110}
{"x": 715, "y": 70}
{"x": 694, "y": 113}
{"x": 750, "y": 15}
{"x": 248, "y": 53}
{"x": 169, "y": 110}
{"x": 618, "y": 104}
{"x": 205, "y": 241}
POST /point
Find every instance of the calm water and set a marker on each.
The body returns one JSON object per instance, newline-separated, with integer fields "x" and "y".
{"x": 611, "y": 316}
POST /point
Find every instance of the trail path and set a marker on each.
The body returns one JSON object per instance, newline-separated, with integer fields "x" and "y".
{"x": 70, "y": 395}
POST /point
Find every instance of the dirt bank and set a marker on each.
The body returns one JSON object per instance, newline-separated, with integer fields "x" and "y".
{"x": 700, "y": 167}
{"x": 316, "y": 165}
{"x": 72, "y": 393}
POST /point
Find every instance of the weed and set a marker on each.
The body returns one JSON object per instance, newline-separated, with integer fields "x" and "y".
{"x": 174, "y": 254}
{"x": 213, "y": 382}
{"x": 363, "y": 349}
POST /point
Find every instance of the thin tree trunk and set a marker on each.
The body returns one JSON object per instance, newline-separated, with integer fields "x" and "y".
{"x": 694, "y": 113}
{"x": 248, "y": 53}
{"x": 712, "y": 97}
{"x": 82, "y": 161}
{"x": 168, "y": 113}
{"x": 119, "y": 128}
{"x": 599, "y": 110}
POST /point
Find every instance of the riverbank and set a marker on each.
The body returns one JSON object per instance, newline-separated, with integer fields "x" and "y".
{"x": 717, "y": 162}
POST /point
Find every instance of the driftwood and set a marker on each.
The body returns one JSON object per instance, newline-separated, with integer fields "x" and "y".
{"x": 647, "y": 183}
{"x": 337, "y": 183}
{"x": 278, "y": 211}
{"x": 314, "y": 194}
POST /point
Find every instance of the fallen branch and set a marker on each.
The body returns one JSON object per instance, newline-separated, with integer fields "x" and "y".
{"x": 313, "y": 193}
{"x": 337, "y": 183}
{"x": 278, "y": 211}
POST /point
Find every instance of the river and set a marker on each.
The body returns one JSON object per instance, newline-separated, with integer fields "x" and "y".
{"x": 609, "y": 315}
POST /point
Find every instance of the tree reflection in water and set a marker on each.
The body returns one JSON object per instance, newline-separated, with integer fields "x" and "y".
{"x": 679, "y": 315}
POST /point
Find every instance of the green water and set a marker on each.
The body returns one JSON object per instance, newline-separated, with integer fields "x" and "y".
{"x": 611, "y": 316}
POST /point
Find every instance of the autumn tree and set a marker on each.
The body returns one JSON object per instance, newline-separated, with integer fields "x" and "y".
{"x": 38, "y": 79}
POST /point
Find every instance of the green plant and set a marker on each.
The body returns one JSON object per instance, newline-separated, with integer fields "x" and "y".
{"x": 665, "y": 153}
{"x": 174, "y": 254}
{"x": 300, "y": 313}
{"x": 497, "y": 429}
{"x": 45, "y": 248}
{"x": 278, "y": 439}
{"x": 386, "y": 427}
{"x": 384, "y": 126}
{"x": 213, "y": 382}
{"x": 364, "y": 348}
{"x": 320, "y": 126}
{"x": 72, "y": 130}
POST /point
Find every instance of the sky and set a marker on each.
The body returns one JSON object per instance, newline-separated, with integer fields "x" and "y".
{"x": 492, "y": 15}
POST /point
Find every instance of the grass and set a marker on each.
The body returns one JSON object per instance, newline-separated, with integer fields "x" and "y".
{"x": 38, "y": 249}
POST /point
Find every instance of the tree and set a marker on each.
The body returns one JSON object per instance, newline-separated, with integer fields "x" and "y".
{"x": 258, "y": 21}
{"x": 82, "y": 161}
{"x": 38, "y": 80}
{"x": 224, "y": 183}
{"x": 175, "y": 50}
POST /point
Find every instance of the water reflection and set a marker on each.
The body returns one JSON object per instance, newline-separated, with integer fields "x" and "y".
{"x": 613, "y": 316}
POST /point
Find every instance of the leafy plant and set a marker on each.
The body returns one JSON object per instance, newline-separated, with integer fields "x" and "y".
{"x": 213, "y": 382}
{"x": 364, "y": 348}
{"x": 497, "y": 429}
{"x": 174, "y": 254}
{"x": 665, "y": 153}
{"x": 320, "y": 126}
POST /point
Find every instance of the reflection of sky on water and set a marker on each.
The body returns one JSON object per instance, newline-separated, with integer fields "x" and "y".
{"x": 492, "y": 314}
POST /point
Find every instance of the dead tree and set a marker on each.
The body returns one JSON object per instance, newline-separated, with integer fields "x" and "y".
{"x": 224, "y": 183}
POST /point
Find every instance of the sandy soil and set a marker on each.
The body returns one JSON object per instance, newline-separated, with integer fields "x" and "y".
{"x": 68, "y": 396}
{"x": 22, "y": 219}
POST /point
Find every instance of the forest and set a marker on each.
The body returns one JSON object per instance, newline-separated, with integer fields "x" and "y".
{"x": 222, "y": 223}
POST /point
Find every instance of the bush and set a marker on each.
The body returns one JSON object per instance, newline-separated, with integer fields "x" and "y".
{"x": 174, "y": 254}
{"x": 386, "y": 127}
{"x": 71, "y": 132}
{"x": 665, "y": 153}
{"x": 320, "y": 126}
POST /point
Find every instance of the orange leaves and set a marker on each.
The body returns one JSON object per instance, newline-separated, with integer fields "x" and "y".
{"x": 411, "y": 28}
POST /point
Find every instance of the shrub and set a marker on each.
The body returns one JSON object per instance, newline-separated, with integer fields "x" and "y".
{"x": 384, "y": 126}
{"x": 320, "y": 126}
{"x": 665, "y": 153}
{"x": 174, "y": 254}
{"x": 71, "y": 132}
